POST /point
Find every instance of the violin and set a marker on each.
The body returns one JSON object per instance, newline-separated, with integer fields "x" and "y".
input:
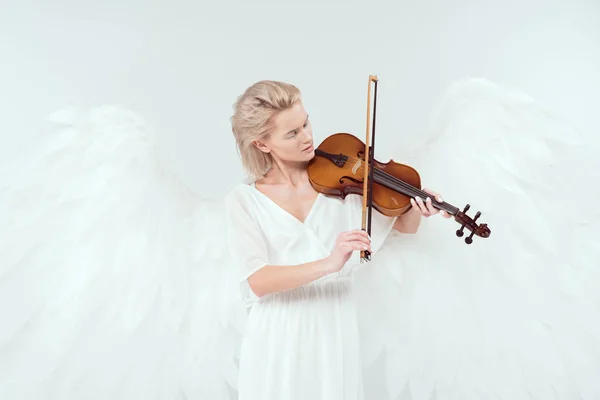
{"x": 342, "y": 165}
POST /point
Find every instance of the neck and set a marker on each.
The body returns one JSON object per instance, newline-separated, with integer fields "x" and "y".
{"x": 288, "y": 174}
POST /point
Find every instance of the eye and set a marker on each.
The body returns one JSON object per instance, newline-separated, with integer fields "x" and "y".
{"x": 292, "y": 134}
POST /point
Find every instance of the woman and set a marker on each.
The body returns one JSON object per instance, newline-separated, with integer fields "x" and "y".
{"x": 296, "y": 252}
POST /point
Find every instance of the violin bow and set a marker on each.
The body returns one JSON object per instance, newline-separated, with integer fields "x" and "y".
{"x": 367, "y": 207}
{"x": 481, "y": 230}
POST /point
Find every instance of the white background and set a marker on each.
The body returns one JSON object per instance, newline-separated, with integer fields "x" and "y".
{"x": 181, "y": 65}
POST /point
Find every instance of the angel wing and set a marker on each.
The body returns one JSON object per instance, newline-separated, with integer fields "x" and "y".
{"x": 112, "y": 275}
{"x": 513, "y": 316}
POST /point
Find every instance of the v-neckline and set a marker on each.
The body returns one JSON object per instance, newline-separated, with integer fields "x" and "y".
{"x": 283, "y": 210}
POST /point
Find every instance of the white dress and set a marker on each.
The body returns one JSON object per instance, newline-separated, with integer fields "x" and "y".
{"x": 302, "y": 343}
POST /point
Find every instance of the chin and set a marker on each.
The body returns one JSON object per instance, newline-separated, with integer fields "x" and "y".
{"x": 303, "y": 156}
{"x": 309, "y": 155}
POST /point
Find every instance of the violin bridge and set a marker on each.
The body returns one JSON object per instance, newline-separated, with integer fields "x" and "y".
{"x": 356, "y": 166}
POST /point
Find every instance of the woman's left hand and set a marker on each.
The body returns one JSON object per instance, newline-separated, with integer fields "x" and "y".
{"x": 426, "y": 207}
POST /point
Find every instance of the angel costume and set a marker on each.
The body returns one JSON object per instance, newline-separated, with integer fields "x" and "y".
{"x": 118, "y": 282}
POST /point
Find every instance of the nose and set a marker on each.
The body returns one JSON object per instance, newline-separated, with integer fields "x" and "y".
{"x": 306, "y": 135}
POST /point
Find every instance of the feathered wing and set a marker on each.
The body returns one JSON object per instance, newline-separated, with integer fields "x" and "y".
{"x": 516, "y": 315}
{"x": 113, "y": 278}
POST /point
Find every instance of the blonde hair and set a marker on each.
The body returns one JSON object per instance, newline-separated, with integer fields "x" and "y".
{"x": 251, "y": 120}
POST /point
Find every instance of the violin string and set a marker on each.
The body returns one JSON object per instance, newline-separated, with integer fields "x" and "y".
{"x": 411, "y": 190}
{"x": 391, "y": 180}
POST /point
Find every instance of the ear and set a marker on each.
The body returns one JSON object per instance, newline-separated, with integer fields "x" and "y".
{"x": 261, "y": 146}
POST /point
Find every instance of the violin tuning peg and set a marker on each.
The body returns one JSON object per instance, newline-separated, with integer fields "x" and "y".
{"x": 469, "y": 239}
{"x": 477, "y": 216}
{"x": 466, "y": 208}
{"x": 460, "y": 232}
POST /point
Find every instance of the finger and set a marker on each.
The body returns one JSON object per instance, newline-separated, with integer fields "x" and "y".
{"x": 431, "y": 192}
{"x": 354, "y": 238}
{"x": 415, "y": 203}
{"x": 356, "y": 245}
{"x": 358, "y": 233}
{"x": 344, "y": 236}
{"x": 362, "y": 246}
{"x": 355, "y": 231}
{"x": 421, "y": 206}
{"x": 435, "y": 194}
{"x": 444, "y": 214}
{"x": 430, "y": 207}
{"x": 360, "y": 238}
{"x": 364, "y": 234}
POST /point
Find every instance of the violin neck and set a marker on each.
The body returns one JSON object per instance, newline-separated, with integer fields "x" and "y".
{"x": 398, "y": 185}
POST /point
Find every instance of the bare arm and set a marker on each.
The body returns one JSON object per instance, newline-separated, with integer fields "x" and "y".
{"x": 409, "y": 222}
{"x": 278, "y": 278}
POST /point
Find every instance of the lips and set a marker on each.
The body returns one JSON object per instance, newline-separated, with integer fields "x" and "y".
{"x": 308, "y": 148}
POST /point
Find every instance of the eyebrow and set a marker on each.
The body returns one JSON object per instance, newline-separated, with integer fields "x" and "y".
{"x": 298, "y": 128}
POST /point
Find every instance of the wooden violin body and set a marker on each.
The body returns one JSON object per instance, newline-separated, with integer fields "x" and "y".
{"x": 338, "y": 169}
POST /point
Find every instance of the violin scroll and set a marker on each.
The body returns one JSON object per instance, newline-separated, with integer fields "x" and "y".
{"x": 480, "y": 230}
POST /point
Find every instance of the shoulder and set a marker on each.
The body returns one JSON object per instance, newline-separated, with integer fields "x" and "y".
{"x": 239, "y": 191}
{"x": 239, "y": 196}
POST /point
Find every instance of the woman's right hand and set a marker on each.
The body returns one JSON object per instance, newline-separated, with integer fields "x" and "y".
{"x": 345, "y": 244}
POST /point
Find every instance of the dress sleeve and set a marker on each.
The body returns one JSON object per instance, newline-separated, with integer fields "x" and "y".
{"x": 246, "y": 242}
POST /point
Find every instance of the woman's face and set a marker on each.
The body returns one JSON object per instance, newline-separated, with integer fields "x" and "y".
{"x": 291, "y": 139}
